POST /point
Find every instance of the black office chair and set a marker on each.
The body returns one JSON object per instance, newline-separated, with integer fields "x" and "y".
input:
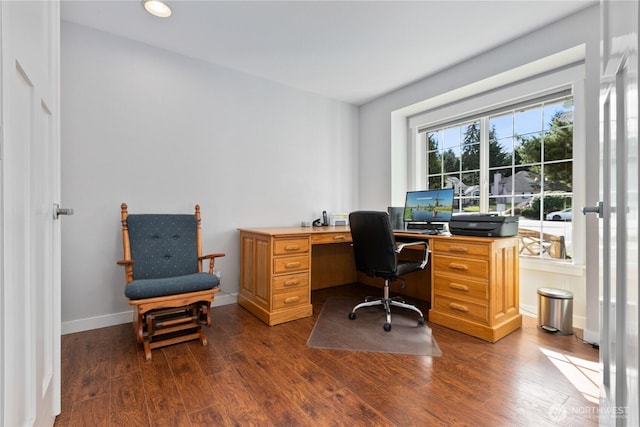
{"x": 376, "y": 255}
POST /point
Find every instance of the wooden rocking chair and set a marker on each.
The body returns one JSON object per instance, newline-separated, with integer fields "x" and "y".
{"x": 170, "y": 293}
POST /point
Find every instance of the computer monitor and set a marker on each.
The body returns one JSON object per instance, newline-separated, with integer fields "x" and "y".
{"x": 427, "y": 208}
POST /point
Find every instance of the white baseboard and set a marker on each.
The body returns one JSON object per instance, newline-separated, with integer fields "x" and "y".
{"x": 529, "y": 310}
{"x": 107, "y": 320}
{"x": 73, "y": 326}
{"x": 592, "y": 337}
{"x": 224, "y": 299}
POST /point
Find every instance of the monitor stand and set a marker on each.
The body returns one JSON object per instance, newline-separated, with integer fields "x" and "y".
{"x": 427, "y": 227}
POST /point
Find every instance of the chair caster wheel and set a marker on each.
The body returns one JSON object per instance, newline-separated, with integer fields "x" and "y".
{"x": 420, "y": 320}
{"x": 352, "y": 316}
{"x": 387, "y": 327}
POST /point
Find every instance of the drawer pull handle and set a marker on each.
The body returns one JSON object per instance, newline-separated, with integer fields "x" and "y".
{"x": 292, "y": 264}
{"x": 341, "y": 237}
{"x": 292, "y": 247}
{"x": 458, "y": 307}
{"x": 461, "y": 267}
{"x": 458, "y": 286}
{"x": 291, "y": 300}
{"x": 292, "y": 282}
{"x": 461, "y": 249}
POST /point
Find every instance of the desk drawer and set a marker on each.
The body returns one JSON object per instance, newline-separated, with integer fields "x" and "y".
{"x": 290, "y": 264}
{"x": 290, "y": 281}
{"x": 290, "y": 246}
{"x": 460, "y": 248}
{"x": 330, "y": 238}
{"x": 462, "y": 309}
{"x": 291, "y": 299}
{"x": 461, "y": 288}
{"x": 472, "y": 268}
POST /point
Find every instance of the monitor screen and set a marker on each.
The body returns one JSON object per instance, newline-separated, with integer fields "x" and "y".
{"x": 429, "y": 205}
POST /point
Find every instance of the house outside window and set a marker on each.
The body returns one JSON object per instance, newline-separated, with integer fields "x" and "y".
{"x": 524, "y": 154}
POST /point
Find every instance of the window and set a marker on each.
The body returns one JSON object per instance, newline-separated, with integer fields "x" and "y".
{"x": 524, "y": 154}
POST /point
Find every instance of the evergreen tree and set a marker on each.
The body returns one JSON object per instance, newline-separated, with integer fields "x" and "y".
{"x": 433, "y": 156}
{"x": 450, "y": 161}
{"x": 558, "y": 145}
{"x": 471, "y": 148}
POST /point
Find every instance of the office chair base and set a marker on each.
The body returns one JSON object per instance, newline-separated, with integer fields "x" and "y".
{"x": 387, "y": 303}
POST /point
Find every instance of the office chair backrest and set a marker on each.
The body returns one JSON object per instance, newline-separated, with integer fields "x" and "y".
{"x": 163, "y": 245}
{"x": 374, "y": 245}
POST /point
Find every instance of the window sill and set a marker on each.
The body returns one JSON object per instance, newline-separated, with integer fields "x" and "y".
{"x": 546, "y": 265}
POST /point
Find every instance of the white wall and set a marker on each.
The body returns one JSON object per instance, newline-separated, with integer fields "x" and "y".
{"x": 163, "y": 132}
{"x": 383, "y": 136}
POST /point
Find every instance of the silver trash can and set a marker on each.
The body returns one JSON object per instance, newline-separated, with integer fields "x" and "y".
{"x": 555, "y": 311}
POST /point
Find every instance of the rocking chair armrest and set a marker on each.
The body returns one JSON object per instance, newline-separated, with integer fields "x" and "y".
{"x": 212, "y": 260}
{"x": 128, "y": 268}
{"x": 211, "y": 256}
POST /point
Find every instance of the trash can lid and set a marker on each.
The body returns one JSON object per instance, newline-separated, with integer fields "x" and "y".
{"x": 555, "y": 293}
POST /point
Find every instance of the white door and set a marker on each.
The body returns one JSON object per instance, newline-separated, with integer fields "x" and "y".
{"x": 619, "y": 226}
{"x": 30, "y": 185}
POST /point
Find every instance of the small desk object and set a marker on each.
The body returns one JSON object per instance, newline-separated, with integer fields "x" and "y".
{"x": 473, "y": 282}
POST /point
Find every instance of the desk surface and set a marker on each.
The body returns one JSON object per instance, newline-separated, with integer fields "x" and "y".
{"x": 298, "y": 230}
{"x": 277, "y": 231}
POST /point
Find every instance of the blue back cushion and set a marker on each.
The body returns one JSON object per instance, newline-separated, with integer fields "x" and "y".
{"x": 163, "y": 245}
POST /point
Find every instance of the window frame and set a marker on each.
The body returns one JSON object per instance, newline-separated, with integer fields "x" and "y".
{"x": 526, "y": 90}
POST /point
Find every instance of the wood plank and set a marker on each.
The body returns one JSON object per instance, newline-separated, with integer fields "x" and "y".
{"x": 164, "y": 401}
{"x": 237, "y": 404}
{"x": 123, "y": 351}
{"x": 267, "y": 393}
{"x": 91, "y": 412}
{"x": 191, "y": 382}
{"x": 253, "y": 374}
{"x": 86, "y": 365}
{"x": 128, "y": 405}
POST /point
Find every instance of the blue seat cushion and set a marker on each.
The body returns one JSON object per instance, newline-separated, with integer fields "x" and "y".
{"x": 149, "y": 288}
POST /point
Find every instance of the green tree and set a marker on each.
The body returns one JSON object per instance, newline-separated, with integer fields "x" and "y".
{"x": 434, "y": 159}
{"x": 557, "y": 143}
{"x": 471, "y": 148}
{"x": 450, "y": 161}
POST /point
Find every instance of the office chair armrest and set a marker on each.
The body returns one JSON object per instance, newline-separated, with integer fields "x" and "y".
{"x": 212, "y": 260}
{"x": 425, "y": 261}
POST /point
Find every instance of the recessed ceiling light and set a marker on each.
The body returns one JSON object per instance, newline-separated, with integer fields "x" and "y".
{"x": 157, "y": 8}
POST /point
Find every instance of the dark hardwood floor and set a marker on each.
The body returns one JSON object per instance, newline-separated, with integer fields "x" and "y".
{"x": 254, "y": 375}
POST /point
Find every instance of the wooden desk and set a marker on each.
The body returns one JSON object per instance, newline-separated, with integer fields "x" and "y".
{"x": 473, "y": 282}
{"x": 280, "y": 266}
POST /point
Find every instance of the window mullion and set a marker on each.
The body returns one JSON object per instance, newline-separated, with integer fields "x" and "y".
{"x": 484, "y": 164}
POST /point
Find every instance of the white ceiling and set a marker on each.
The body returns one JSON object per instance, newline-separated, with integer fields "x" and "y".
{"x": 353, "y": 51}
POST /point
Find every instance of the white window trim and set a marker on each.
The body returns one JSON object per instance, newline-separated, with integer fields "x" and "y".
{"x": 568, "y": 76}
{"x": 550, "y": 266}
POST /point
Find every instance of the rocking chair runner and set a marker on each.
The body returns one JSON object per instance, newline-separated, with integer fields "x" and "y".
{"x": 163, "y": 262}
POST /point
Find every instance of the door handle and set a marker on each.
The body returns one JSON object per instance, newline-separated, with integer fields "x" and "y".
{"x": 57, "y": 211}
{"x": 594, "y": 209}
